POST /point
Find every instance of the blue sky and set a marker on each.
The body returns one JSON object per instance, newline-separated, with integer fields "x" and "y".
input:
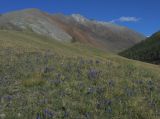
{"x": 140, "y": 15}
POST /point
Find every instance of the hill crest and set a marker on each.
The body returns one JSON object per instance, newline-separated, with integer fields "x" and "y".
{"x": 73, "y": 28}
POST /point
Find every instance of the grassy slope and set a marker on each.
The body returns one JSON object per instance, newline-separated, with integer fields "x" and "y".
{"x": 148, "y": 50}
{"x": 42, "y": 79}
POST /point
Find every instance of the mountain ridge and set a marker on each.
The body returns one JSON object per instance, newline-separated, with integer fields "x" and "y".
{"x": 35, "y": 20}
{"x": 103, "y": 34}
{"x": 73, "y": 28}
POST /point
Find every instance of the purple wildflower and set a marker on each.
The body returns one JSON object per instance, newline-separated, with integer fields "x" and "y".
{"x": 38, "y": 116}
{"x": 48, "y": 113}
{"x": 108, "y": 102}
{"x": 111, "y": 83}
{"x": 56, "y": 81}
{"x": 97, "y": 61}
{"x": 87, "y": 115}
{"x": 49, "y": 69}
{"x": 93, "y": 74}
{"x": 150, "y": 86}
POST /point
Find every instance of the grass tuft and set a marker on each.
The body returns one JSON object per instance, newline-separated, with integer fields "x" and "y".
{"x": 33, "y": 82}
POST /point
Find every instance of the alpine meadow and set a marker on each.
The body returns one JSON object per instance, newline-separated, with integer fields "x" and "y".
{"x": 68, "y": 66}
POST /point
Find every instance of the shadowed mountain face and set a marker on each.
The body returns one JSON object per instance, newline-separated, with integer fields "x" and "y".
{"x": 72, "y": 28}
{"x": 147, "y": 51}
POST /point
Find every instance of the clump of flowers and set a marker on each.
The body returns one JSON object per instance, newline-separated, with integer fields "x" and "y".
{"x": 93, "y": 74}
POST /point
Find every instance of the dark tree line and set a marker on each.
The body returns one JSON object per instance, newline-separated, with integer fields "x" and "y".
{"x": 147, "y": 51}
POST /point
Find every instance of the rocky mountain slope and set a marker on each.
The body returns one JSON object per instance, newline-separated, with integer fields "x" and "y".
{"x": 34, "y": 20}
{"x": 72, "y": 28}
{"x": 101, "y": 34}
{"x": 148, "y": 50}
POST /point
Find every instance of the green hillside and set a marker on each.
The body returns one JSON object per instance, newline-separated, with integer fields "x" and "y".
{"x": 147, "y": 51}
{"x": 43, "y": 79}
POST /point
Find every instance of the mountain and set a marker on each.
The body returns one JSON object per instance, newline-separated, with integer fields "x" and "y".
{"x": 34, "y": 20}
{"x": 73, "y": 28}
{"x": 147, "y": 51}
{"x": 104, "y": 35}
{"x": 41, "y": 78}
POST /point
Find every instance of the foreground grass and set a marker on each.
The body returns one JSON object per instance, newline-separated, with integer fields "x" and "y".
{"x": 43, "y": 79}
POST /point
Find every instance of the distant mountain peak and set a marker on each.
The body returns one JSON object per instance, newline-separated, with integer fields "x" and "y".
{"x": 79, "y": 18}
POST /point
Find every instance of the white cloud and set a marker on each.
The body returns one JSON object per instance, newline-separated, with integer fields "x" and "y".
{"x": 126, "y": 19}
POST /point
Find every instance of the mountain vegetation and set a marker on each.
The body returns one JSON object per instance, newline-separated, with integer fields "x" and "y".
{"x": 41, "y": 78}
{"x": 147, "y": 51}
